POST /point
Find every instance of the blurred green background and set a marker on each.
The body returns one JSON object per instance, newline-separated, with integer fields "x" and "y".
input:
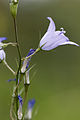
{"x": 56, "y": 76}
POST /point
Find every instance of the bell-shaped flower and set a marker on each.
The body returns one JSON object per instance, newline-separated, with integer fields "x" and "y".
{"x": 2, "y": 55}
{"x": 20, "y": 108}
{"x": 53, "y": 38}
{"x": 30, "y": 109}
{"x": 26, "y": 61}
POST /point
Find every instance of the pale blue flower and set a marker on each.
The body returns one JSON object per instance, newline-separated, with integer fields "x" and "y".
{"x": 2, "y": 55}
{"x": 53, "y": 38}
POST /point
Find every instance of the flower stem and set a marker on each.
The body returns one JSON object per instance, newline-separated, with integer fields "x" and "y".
{"x": 9, "y": 67}
{"x": 37, "y": 50}
{"x": 17, "y": 75}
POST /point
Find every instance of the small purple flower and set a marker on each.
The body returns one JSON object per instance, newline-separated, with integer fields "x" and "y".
{"x": 30, "y": 53}
{"x": 30, "y": 109}
{"x": 11, "y": 80}
{"x": 31, "y": 103}
{"x": 53, "y": 38}
{"x": 2, "y": 55}
{"x": 20, "y": 108}
{"x": 26, "y": 61}
{"x": 20, "y": 99}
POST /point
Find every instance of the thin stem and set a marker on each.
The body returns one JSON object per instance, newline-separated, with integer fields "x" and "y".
{"x": 16, "y": 37}
{"x": 9, "y": 67}
{"x": 37, "y": 50}
{"x": 11, "y": 109}
{"x": 10, "y": 43}
{"x": 17, "y": 76}
{"x": 26, "y": 86}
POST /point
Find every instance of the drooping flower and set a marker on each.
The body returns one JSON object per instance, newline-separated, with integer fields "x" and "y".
{"x": 2, "y": 55}
{"x": 53, "y": 38}
{"x": 30, "y": 109}
{"x": 20, "y": 108}
{"x": 26, "y": 61}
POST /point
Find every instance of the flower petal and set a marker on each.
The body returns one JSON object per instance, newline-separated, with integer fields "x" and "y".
{"x": 31, "y": 103}
{"x": 51, "y": 25}
{"x": 20, "y": 99}
{"x": 12, "y": 80}
{"x": 52, "y": 40}
{"x": 69, "y": 42}
{"x": 2, "y": 38}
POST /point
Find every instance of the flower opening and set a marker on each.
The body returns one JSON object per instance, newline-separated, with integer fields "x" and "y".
{"x": 53, "y": 38}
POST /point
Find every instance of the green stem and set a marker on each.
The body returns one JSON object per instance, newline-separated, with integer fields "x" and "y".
{"x": 26, "y": 86}
{"x": 17, "y": 76}
{"x": 9, "y": 67}
{"x": 37, "y": 50}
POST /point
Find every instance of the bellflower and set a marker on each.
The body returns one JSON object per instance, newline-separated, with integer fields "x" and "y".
{"x": 2, "y": 55}
{"x": 26, "y": 61}
{"x": 20, "y": 108}
{"x": 30, "y": 109}
{"x": 53, "y": 38}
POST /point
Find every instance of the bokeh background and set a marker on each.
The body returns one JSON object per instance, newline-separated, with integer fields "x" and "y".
{"x": 56, "y": 76}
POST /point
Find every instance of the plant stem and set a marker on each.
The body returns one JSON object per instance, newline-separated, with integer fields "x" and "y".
{"x": 9, "y": 67}
{"x": 37, "y": 50}
{"x": 17, "y": 76}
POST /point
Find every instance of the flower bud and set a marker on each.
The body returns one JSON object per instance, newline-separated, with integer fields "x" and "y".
{"x": 13, "y": 7}
{"x": 26, "y": 61}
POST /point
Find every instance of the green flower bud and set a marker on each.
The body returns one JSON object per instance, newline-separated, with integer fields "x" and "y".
{"x": 13, "y": 7}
